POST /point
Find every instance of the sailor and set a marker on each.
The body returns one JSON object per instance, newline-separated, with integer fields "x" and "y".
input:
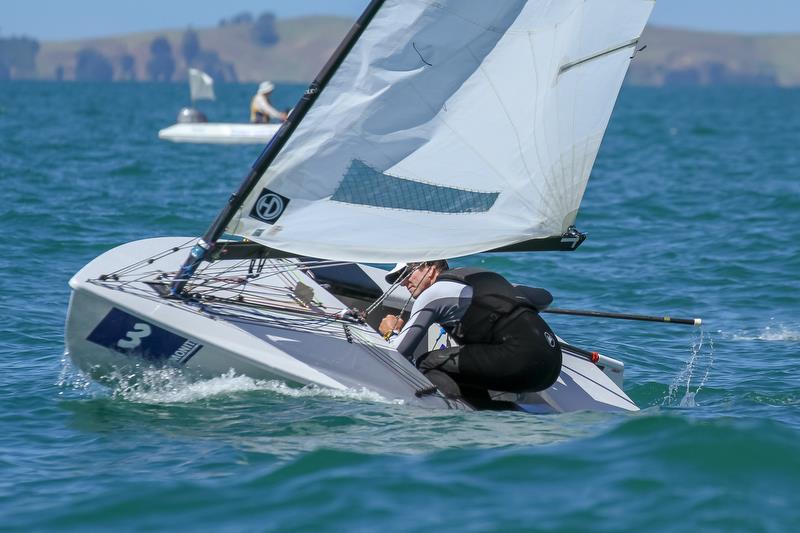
{"x": 504, "y": 345}
{"x": 261, "y": 109}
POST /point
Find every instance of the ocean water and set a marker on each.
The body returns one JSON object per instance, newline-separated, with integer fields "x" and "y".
{"x": 693, "y": 209}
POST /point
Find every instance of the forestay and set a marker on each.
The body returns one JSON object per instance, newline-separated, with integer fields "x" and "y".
{"x": 452, "y": 127}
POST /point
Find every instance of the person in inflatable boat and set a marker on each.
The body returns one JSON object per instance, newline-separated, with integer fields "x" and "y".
{"x": 261, "y": 109}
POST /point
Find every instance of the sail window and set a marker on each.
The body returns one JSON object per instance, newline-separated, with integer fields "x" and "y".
{"x": 363, "y": 185}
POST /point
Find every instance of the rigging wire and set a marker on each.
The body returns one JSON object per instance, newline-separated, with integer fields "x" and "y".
{"x": 251, "y": 302}
{"x": 399, "y": 281}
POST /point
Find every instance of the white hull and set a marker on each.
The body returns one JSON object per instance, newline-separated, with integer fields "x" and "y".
{"x": 219, "y": 133}
{"x": 112, "y": 322}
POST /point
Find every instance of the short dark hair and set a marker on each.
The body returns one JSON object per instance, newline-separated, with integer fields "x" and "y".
{"x": 402, "y": 270}
{"x": 440, "y": 264}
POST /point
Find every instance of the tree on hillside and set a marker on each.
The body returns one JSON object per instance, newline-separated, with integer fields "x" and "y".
{"x": 242, "y": 18}
{"x": 206, "y": 60}
{"x": 18, "y": 56}
{"x": 190, "y": 46}
{"x": 161, "y": 66}
{"x": 264, "y": 32}
{"x": 210, "y": 62}
{"x": 128, "y": 64}
{"x": 93, "y": 66}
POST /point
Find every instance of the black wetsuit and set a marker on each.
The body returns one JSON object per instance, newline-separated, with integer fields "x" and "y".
{"x": 504, "y": 343}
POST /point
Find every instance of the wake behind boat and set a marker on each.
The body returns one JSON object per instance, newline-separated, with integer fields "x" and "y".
{"x": 382, "y": 160}
{"x": 193, "y": 127}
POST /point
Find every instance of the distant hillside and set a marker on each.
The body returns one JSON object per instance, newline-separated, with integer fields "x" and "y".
{"x": 680, "y": 57}
{"x": 303, "y": 47}
{"x": 672, "y": 57}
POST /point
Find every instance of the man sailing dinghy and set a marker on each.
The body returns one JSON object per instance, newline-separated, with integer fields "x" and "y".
{"x": 386, "y": 138}
{"x": 193, "y": 126}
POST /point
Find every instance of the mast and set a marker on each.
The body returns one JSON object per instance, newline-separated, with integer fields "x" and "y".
{"x": 204, "y": 246}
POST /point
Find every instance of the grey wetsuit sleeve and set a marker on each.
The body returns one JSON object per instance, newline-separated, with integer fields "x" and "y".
{"x": 444, "y": 303}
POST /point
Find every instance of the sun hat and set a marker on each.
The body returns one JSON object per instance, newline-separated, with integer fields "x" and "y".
{"x": 266, "y": 87}
{"x": 399, "y": 270}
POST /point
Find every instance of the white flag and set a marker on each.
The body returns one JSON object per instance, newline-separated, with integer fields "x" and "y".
{"x": 201, "y": 85}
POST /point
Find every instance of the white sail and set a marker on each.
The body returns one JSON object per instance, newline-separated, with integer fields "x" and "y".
{"x": 452, "y": 127}
{"x": 201, "y": 85}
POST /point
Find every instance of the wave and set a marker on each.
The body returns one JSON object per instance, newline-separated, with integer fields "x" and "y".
{"x": 169, "y": 385}
{"x": 655, "y": 473}
{"x": 771, "y": 333}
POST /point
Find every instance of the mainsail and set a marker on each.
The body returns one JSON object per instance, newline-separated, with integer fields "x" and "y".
{"x": 201, "y": 85}
{"x": 452, "y": 127}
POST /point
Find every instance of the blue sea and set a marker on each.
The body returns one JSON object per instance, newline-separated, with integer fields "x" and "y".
{"x": 693, "y": 210}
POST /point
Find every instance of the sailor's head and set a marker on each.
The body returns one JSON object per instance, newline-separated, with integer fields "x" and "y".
{"x": 266, "y": 87}
{"x": 416, "y": 277}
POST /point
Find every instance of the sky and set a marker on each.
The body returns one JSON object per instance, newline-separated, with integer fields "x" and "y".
{"x": 55, "y": 20}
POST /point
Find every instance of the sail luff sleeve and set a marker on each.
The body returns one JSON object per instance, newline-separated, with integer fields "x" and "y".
{"x": 204, "y": 245}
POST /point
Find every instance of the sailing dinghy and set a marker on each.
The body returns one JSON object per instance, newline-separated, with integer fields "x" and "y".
{"x": 193, "y": 126}
{"x": 436, "y": 130}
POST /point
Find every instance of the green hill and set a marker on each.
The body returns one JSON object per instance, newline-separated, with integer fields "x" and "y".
{"x": 672, "y": 57}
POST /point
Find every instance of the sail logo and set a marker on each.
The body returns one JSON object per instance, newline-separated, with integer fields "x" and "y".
{"x": 134, "y": 338}
{"x": 269, "y": 206}
{"x": 130, "y": 335}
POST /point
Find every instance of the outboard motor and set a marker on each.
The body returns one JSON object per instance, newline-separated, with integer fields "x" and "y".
{"x": 190, "y": 115}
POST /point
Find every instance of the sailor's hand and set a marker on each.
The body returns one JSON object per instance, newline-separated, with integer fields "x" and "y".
{"x": 389, "y": 324}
